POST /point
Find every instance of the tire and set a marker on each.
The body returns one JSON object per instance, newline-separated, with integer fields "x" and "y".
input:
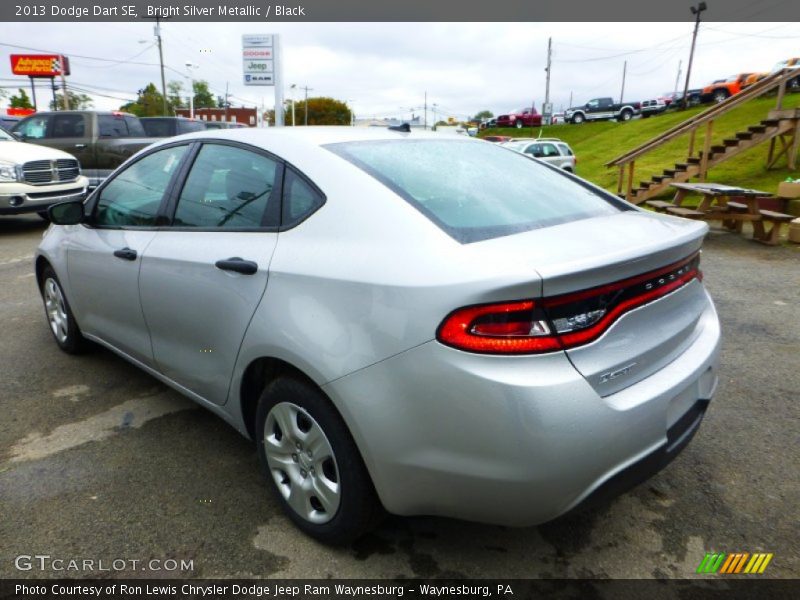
{"x": 645, "y": 115}
{"x": 329, "y": 496}
{"x": 625, "y": 115}
{"x": 43, "y": 215}
{"x": 59, "y": 315}
{"x": 720, "y": 96}
{"x": 519, "y": 124}
{"x": 577, "y": 119}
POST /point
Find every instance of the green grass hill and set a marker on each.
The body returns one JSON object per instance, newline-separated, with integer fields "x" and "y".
{"x": 597, "y": 143}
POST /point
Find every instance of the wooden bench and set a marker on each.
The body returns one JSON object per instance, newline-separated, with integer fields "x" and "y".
{"x": 735, "y": 207}
{"x": 659, "y": 205}
{"x": 771, "y": 237}
{"x": 686, "y": 212}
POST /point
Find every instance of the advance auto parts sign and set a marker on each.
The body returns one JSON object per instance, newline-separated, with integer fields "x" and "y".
{"x": 39, "y": 65}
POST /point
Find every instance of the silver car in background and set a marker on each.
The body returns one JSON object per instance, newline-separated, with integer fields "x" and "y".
{"x": 550, "y": 150}
{"x": 401, "y": 321}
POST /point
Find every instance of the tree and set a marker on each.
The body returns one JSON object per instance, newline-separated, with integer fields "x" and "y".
{"x": 76, "y": 101}
{"x": 484, "y": 114}
{"x": 149, "y": 103}
{"x": 175, "y": 97}
{"x": 203, "y": 98}
{"x": 21, "y": 100}
{"x": 321, "y": 111}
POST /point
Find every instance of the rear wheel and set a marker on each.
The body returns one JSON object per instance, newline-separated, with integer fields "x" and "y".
{"x": 625, "y": 115}
{"x": 720, "y": 95}
{"x": 519, "y": 124}
{"x": 59, "y": 315}
{"x": 308, "y": 453}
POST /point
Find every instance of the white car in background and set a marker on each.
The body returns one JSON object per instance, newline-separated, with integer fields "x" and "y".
{"x": 550, "y": 150}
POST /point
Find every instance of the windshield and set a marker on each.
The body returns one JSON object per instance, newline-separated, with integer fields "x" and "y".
{"x": 475, "y": 191}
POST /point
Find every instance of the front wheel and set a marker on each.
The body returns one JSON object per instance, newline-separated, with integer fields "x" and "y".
{"x": 721, "y": 96}
{"x": 519, "y": 124}
{"x": 577, "y": 119}
{"x": 59, "y": 315}
{"x": 308, "y": 453}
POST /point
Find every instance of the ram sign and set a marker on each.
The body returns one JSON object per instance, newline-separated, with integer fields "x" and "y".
{"x": 39, "y": 65}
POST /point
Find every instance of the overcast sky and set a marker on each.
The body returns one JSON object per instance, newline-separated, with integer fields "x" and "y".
{"x": 384, "y": 69}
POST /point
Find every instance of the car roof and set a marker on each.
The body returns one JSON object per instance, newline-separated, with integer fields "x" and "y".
{"x": 312, "y": 135}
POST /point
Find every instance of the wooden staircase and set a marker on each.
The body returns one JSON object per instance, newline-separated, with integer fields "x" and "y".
{"x": 781, "y": 125}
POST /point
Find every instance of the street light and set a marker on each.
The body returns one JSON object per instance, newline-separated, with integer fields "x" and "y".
{"x": 189, "y": 67}
{"x": 696, "y": 10}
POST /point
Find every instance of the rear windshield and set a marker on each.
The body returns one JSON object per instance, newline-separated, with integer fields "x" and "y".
{"x": 476, "y": 191}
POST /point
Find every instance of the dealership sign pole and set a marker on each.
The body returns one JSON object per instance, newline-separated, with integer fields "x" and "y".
{"x": 262, "y": 66}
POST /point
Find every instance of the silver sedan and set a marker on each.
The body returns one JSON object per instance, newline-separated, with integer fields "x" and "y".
{"x": 401, "y": 322}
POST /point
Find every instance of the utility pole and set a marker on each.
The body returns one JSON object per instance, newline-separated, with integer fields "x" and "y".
{"x": 157, "y": 31}
{"x": 548, "y": 113}
{"x": 624, "y": 70}
{"x": 570, "y": 100}
{"x": 701, "y": 6}
{"x": 65, "y": 96}
{"x": 678, "y": 78}
{"x": 306, "y": 89}
{"x": 226, "y": 101}
{"x": 425, "y": 123}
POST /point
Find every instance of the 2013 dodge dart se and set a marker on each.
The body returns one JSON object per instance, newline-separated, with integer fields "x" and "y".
{"x": 402, "y": 322}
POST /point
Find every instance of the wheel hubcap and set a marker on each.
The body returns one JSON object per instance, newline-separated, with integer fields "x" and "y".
{"x": 56, "y": 310}
{"x": 302, "y": 462}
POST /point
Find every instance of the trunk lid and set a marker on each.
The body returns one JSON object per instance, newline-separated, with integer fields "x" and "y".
{"x": 581, "y": 255}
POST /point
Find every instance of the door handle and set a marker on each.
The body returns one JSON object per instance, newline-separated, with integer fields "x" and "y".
{"x": 125, "y": 253}
{"x": 238, "y": 265}
{"x": 80, "y": 145}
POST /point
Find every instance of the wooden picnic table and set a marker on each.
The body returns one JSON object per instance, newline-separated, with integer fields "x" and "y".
{"x": 717, "y": 204}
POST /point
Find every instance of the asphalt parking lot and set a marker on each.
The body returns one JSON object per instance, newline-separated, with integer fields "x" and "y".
{"x": 98, "y": 460}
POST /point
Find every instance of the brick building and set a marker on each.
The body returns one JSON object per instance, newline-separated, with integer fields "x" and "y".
{"x": 246, "y": 116}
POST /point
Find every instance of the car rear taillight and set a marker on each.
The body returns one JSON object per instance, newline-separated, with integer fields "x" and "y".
{"x": 559, "y": 322}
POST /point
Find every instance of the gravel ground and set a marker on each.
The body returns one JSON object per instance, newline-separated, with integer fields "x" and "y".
{"x": 98, "y": 460}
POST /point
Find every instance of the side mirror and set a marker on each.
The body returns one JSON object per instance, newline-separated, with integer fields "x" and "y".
{"x": 66, "y": 213}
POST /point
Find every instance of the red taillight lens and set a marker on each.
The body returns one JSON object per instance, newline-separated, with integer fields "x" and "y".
{"x": 504, "y": 328}
{"x": 559, "y": 322}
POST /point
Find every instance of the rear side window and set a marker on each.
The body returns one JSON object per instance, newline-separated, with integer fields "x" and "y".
{"x": 300, "y": 199}
{"x": 227, "y": 188}
{"x": 190, "y": 126}
{"x": 112, "y": 126}
{"x": 135, "y": 128}
{"x": 67, "y": 126}
{"x": 158, "y": 127}
{"x": 476, "y": 191}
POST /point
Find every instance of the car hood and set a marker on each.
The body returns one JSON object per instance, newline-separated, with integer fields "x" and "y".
{"x": 20, "y": 152}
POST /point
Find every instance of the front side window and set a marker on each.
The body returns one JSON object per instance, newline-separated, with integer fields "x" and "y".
{"x": 33, "y": 128}
{"x": 227, "y": 187}
{"x": 133, "y": 197}
{"x": 475, "y": 191}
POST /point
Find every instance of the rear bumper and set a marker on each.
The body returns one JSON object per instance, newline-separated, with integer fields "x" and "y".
{"x": 517, "y": 440}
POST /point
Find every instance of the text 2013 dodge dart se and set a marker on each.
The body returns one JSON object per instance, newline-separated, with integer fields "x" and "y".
{"x": 402, "y": 322}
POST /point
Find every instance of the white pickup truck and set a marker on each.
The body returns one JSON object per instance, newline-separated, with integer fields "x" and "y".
{"x": 34, "y": 177}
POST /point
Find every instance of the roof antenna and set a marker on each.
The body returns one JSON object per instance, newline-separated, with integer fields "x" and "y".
{"x": 405, "y": 128}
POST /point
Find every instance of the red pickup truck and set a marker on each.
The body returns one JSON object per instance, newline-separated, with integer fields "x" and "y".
{"x": 524, "y": 117}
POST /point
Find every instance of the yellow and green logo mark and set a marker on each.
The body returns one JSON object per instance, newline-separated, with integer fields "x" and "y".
{"x": 724, "y": 563}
